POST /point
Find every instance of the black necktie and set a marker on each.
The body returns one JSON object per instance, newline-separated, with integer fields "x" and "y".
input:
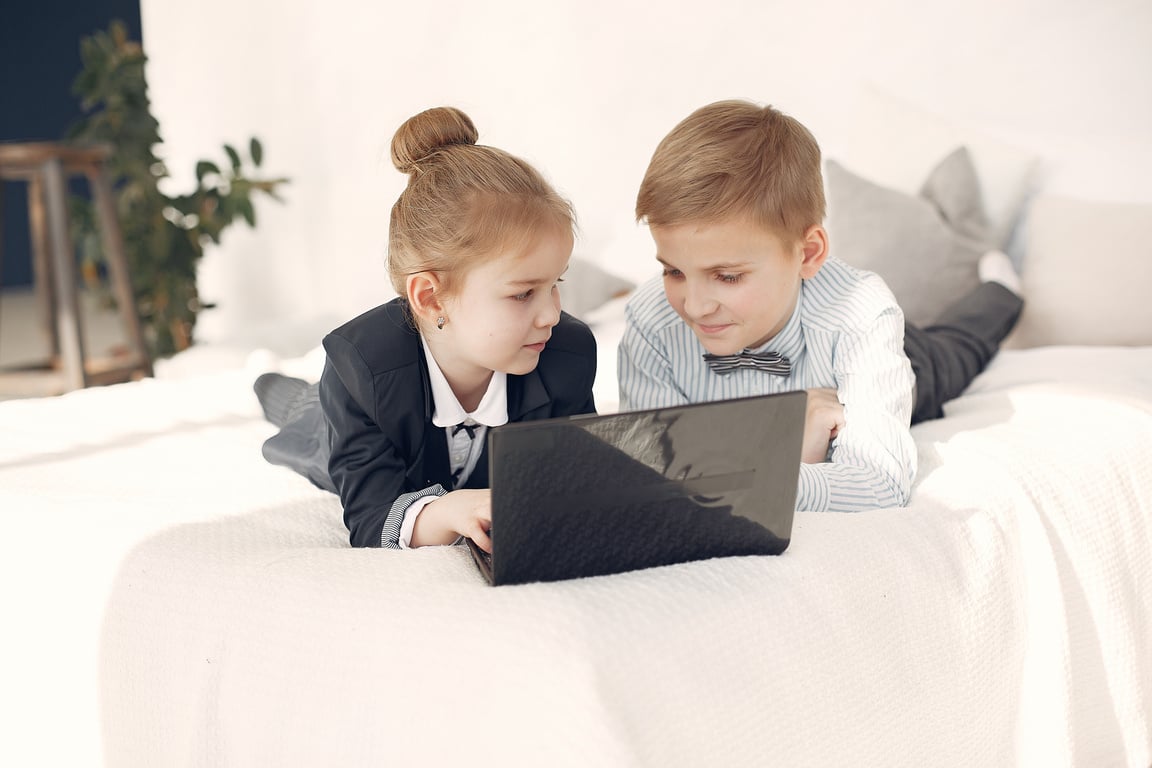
{"x": 769, "y": 362}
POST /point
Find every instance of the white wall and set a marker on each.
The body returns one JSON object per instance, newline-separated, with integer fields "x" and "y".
{"x": 585, "y": 89}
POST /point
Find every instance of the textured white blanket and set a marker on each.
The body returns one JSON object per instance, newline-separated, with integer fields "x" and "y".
{"x": 1004, "y": 618}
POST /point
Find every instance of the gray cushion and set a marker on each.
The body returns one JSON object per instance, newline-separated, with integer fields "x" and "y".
{"x": 586, "y": 286}
{"x": 925, "y": 246}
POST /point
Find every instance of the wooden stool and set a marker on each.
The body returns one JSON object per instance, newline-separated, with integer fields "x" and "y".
{"x": 46, "y": 168}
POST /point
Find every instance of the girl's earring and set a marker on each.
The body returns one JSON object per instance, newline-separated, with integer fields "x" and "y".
{"x": 440, "y": 322}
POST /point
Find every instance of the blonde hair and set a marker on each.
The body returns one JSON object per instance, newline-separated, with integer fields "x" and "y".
{"x": 464, "y": 201}
{"x": 735, "y": 159}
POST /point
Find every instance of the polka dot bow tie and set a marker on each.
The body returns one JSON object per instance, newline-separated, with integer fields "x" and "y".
{"x": 769, "y": 362}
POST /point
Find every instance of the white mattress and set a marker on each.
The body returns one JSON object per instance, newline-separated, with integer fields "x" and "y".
{"x": 1003, "y": 618}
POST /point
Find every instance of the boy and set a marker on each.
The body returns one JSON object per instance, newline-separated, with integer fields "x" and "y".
{"x": 734, "y": 200}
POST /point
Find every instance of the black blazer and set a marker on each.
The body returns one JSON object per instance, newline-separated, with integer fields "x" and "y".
{"x": 377, "y": 401}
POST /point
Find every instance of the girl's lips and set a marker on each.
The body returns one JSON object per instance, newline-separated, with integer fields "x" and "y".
{"x": 712, "y": 329}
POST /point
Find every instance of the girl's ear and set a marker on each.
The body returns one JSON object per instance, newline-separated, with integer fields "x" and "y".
{"x": 815, "y": 250}
{"x": 423, "y": 292}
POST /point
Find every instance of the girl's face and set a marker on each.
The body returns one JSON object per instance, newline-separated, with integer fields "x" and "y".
{"x": 502, "y": 316}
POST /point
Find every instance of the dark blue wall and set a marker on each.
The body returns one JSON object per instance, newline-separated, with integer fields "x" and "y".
{"x": 39, "y": 59}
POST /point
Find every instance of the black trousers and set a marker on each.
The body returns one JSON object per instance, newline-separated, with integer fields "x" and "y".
{"x": 302, "y": 442}
{"x": 947, "y": 355}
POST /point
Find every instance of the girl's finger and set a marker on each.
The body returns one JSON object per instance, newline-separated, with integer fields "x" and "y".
{"x": 480, "y": 536}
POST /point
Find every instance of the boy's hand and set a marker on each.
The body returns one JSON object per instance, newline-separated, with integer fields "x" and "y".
{"x": 459, "y": 513}
{"x": 824, "y": 420}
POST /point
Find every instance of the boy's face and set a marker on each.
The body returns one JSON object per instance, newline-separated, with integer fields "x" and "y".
{"x": 733, "y": 282}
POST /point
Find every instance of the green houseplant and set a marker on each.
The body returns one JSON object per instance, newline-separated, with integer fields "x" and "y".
{"x": 164, "y": 236}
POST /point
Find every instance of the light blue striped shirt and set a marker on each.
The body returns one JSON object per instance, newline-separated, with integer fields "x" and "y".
{"x": 846, "y": 332}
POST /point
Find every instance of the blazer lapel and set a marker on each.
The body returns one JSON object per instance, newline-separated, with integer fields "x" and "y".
{"x": 436, "y": 466}
{"x": 528, "y": 398}
{"x": 431, "y": 465}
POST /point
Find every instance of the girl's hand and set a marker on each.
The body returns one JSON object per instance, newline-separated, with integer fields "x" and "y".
{"x": 824, "y": 420}
{"x": 459, "y": 513}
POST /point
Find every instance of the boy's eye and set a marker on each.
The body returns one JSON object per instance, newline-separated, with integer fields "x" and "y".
{"x": 523, "y": 296}
{"x": 729, "y": 278}
{"x": 671, "y": 272}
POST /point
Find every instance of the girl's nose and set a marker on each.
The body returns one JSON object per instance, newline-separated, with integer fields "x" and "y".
{"x": 550, "y": 313}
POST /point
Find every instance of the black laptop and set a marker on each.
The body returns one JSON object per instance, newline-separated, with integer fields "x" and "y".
{"x": 594, "y": 495}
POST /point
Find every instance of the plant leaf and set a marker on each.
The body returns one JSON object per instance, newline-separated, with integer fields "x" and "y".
{"x": 244, "y": 206}
{"x": 256, "y": 149}
{"x": 233, "y": 156}
{"x": 205, "y": 167}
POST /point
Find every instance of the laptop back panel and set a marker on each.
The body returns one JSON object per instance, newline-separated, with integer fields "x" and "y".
{"x": 594, "y": 495}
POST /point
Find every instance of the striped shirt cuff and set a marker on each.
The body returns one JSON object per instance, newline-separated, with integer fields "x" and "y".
{"x": 831, "y": 487}
{"x": 813, "y": 492}
{"x": 390, "y": 535}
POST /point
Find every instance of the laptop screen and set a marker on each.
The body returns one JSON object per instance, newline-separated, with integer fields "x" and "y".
{"x": 593, "y": 495}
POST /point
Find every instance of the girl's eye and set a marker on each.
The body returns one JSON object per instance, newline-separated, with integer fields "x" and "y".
{"x": 669, "y": 272}
{"x": 729, "y": 278}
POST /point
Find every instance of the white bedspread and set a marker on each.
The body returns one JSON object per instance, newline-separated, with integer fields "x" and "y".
{"x": 1003, "y": 618}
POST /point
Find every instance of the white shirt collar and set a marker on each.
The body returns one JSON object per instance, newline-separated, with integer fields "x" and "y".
{"x": 446, "y": 409}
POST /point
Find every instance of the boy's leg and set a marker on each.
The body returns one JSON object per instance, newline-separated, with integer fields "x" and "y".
{"x": 947, "y": 355}
{"x": 302, "y": 442}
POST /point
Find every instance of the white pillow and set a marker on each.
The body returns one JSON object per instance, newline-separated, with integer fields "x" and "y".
{"x": 896, "y": 145}
{"x": 1087, "y": 274}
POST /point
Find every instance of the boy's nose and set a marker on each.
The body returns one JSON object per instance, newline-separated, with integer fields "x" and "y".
{"x": 698, "y": 301}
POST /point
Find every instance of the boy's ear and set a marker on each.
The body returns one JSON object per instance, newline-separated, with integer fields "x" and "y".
{"x": 815, "y": 250}
{"x": 423, "y": 293}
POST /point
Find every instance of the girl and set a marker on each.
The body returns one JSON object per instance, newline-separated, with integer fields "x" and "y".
{"x": 478, "y": 242}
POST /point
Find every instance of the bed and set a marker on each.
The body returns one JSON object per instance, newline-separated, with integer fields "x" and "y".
{"x": 175, "y": 600}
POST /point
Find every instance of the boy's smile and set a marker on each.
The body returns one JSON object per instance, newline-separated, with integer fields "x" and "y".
{"x": 734, "y": 282}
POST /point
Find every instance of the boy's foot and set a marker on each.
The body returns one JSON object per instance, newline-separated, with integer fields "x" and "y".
{"x": 280, "y": 396}
{"x": 995, "y": 266}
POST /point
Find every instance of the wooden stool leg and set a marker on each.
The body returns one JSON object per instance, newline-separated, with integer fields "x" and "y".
{"x": 118, "y": 267}
{"x": 64, "y": 271}
{"x": 42, "y": 277}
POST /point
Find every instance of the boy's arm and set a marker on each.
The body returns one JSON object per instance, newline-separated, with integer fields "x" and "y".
{"x": 873, "y": 458}
{"x": 823, "y": 420}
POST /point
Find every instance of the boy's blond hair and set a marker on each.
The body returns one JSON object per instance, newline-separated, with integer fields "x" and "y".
{"x": 735, "y": 159}
{"x": 465, "y": 202}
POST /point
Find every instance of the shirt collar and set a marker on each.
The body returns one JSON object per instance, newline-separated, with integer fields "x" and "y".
{"x": 789, "y": 342}
{"x": 446, "y": 409}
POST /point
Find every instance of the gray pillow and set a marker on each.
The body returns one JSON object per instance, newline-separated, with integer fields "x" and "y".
{"x": 925, "y": 246}
{"x": 586, "y": 286}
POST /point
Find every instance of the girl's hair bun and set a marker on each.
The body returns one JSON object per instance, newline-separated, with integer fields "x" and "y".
{"x": 422, "y": 135}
